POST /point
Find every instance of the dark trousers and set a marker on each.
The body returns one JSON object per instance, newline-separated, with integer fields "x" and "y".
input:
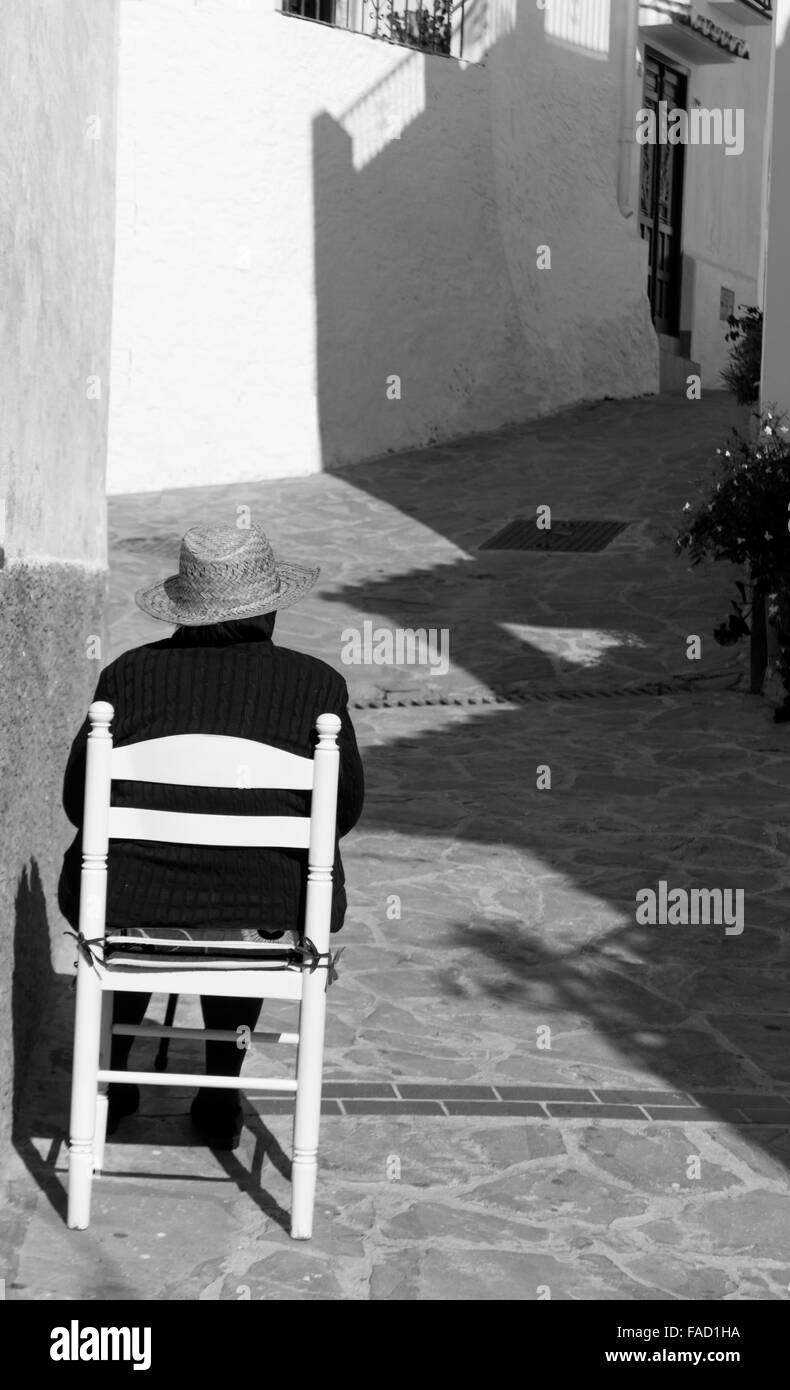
{"x": 222, "y": 1058}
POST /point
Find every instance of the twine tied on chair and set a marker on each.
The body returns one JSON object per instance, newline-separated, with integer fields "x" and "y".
{"x": 309, "y": 952}
{"x": 85, "y": 946}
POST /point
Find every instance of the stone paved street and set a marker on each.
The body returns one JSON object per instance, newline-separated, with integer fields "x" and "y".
{"x": 584, "y": 1105}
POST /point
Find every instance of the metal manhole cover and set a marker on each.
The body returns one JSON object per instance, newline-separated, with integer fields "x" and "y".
{"x": 523, "y": 534}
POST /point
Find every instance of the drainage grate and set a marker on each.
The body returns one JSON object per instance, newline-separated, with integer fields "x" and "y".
{"x": 523, "y": 534}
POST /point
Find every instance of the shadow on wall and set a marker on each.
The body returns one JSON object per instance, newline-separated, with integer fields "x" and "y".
{"x": 426, "y": 238}
{"x": 33, "y": 974}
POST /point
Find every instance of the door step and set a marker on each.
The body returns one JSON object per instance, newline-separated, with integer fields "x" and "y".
{"x": 679, "y": 346}
{"x": 674, "y": 370}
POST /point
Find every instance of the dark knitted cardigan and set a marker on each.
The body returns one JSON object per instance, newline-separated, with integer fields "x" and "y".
{"x": 201, "y": 681}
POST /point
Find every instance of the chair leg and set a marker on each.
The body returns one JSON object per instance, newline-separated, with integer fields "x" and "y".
{"x": 307, "y": 1116}
{"x": 105, "y": 1046}
{"x": 305, "y": 1174}
{"x": 87, "y": 1031}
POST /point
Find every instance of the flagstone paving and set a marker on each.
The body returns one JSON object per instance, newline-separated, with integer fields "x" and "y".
{"x": 397, "y": 541}
{"x": 529, "y": 1094}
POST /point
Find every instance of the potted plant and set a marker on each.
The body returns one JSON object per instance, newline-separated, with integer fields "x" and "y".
{"x": 746, "y": 519}
{"x": 425, "y": 27}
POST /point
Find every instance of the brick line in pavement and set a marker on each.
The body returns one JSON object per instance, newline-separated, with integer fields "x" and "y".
{"x": 673, "y": 684}
{"x": 544, "y": 1102}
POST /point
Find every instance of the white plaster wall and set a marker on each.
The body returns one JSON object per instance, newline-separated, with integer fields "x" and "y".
{"x": 57, "y": 74}
{"x": 303, "y": 212}
{"x": 776, "y": 366}
{"x": 555, "y": 99}
{"x": 723, "y": 204}
{"x": 411, "y": 277}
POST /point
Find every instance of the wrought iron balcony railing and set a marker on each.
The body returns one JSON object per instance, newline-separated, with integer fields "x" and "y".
{"x": 436, "y": 26}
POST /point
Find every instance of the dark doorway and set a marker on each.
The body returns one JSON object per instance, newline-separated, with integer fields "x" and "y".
{"x": 661, "y": 195}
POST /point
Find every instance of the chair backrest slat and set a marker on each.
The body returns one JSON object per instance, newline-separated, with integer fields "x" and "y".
{"x": 212, "y": 760}
{"x": 189, "y": 828}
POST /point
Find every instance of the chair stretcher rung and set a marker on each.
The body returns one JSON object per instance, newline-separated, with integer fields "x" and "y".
{"x": 156, "y": 1030}
{"x": 234, "y": 1083}
{"x": 229, "y": 984}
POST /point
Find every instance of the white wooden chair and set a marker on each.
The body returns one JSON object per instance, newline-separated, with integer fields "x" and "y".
{"x": 204, "y": 760}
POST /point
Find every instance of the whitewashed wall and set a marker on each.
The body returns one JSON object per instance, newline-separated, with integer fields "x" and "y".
{"x": 723, "y": 203}
{"x": 554, "y": 89}
{"x": 304, "y": 212}
{"x": 57, "y": 154}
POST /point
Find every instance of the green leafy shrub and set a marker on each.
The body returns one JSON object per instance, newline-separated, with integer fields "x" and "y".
{"x": 745, "y": 518}
{"x": 428, "y": 26}
{"x": 742, "y": 375}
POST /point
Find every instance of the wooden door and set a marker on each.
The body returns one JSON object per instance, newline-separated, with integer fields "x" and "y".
{"x": 661, "y": 197}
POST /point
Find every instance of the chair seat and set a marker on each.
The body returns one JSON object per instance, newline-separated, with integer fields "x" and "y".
{"x": 188, "y": 960}
{"x": 163, "y": 948}
{"x": 191, "y": 966}
{"x": 200, "y": 938}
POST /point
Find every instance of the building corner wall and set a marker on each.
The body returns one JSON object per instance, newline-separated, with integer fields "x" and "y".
{"x": 46, "y": 612}
{"x": 776, "y": 361}
{"x": 57, "y": 147}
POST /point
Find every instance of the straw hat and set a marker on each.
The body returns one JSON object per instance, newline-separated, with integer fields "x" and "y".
{"x": 225, "y": 574}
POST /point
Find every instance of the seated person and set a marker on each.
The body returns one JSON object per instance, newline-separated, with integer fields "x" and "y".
{"x": 219, "y": 673}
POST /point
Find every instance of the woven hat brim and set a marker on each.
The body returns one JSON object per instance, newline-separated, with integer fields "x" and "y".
{"x": 165, "y": 602}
